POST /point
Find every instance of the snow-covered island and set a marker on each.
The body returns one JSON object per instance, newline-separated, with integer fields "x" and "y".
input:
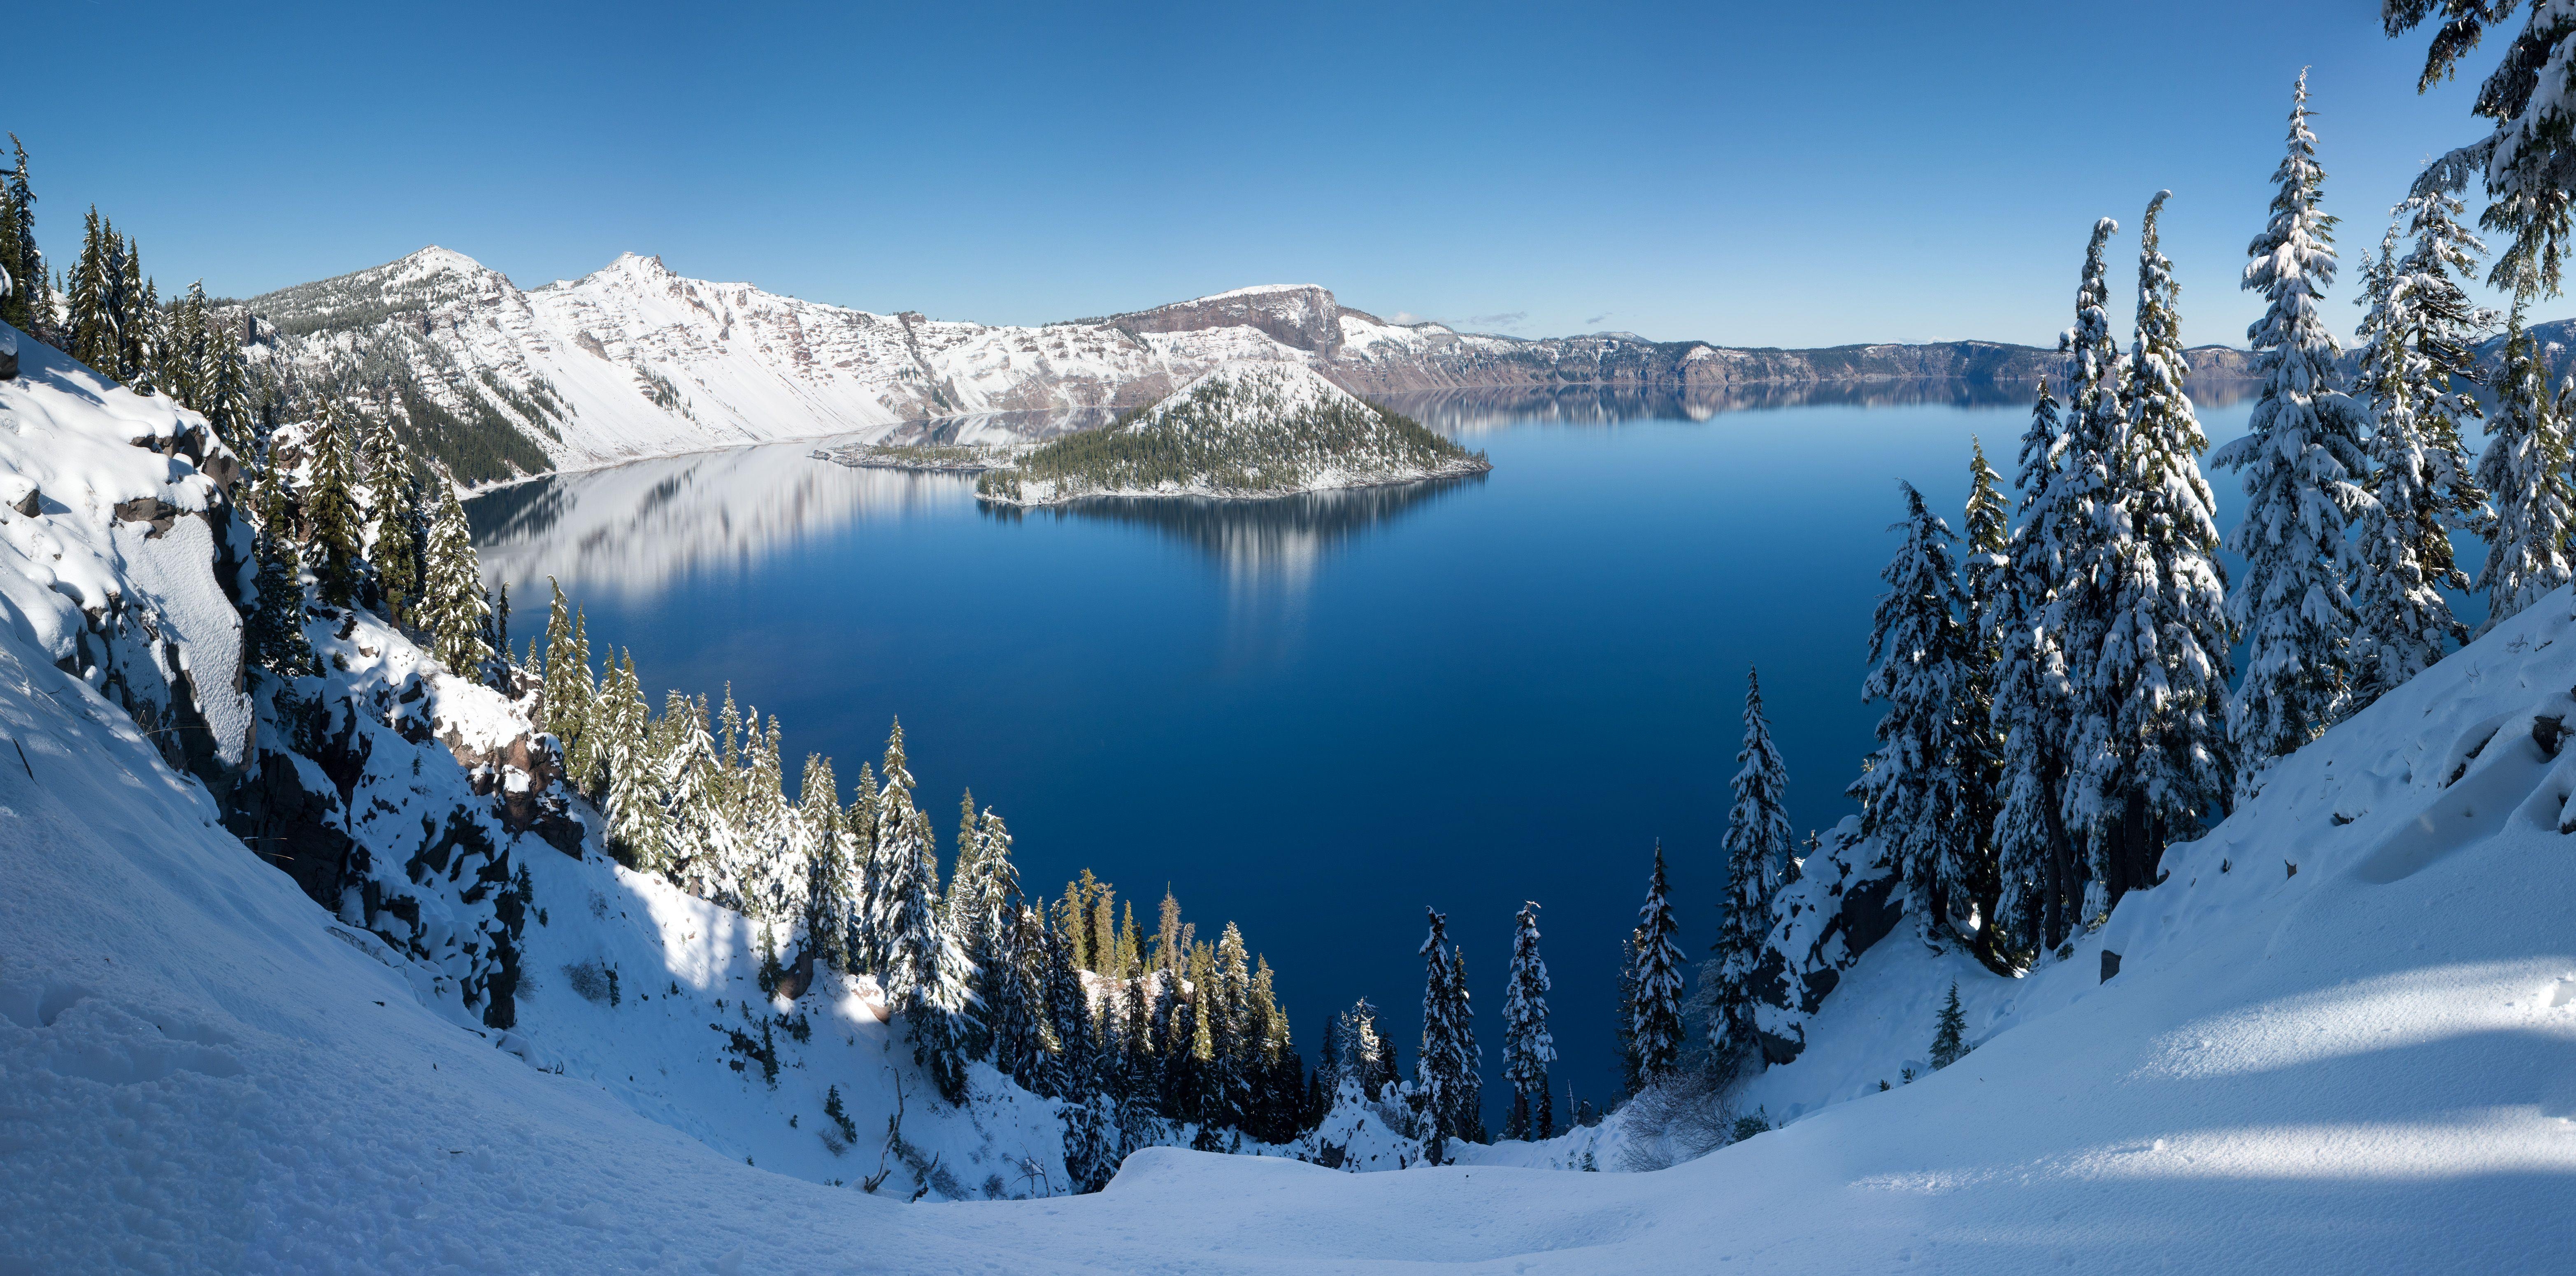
{"x": 1242, "y": 430}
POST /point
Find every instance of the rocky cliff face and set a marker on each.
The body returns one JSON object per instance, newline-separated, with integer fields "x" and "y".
{"x": 637, "y": 361}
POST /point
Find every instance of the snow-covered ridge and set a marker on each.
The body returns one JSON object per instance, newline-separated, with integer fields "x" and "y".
{"x": 635, "y": 360}
{"x": 1242, "y": 430}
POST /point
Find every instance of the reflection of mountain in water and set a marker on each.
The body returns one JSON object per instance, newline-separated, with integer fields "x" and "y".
{"x": 1281, "y": 539}
{"x": 632, "y": 528}
{"x": 1471, "y": 410}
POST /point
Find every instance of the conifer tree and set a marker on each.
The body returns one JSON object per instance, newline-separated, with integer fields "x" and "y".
{"x": 2419, "y": 369}
{"x": 829, "y": 896}
{"x": 701, "y": 825}
{"x": 26, "y": 305}
{"x": 1632, "y": 1070}
{"x": 2527, "y": 163}
{"x": 227, "y": 405}
{"x": 454, "y": 611}
{"x": 2149, "y": 753}
{"x": 333, "y": 508}
{"x": 2303, "y": 463}
{"x": 1984, "y": 564}
{"x": 2524, "y": 468}
{"x": 1656, "y": 1017}
{"x": 568, "y": 689}
{"x": 636, "y": 816}
{"x": 899, "y": 838}
{"x": 186, "y": 359}
{"x": 1068, "y": 1018}
{"x": 1229, "y": 1029}
{"x": 1912, "y": 794}
{"x": 138, "y": 311}
{"x": 1948, "y": 1043}
{"x": 2035, "y": 859}
{"x": 1528, "y": 1047}
{"x": 273, "y": 637}
{"x": 1032, "y": 1059}
{"x": 90, "y": 319}
{"x": 393, "y": 504}
{"x": 1438, "y": 1070}
{"x": 1757, "y": 843}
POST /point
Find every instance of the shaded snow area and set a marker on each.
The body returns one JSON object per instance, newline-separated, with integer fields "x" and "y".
{"x": 2365, "y": 1065}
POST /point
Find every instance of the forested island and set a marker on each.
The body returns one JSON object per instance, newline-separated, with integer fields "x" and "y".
{"x": 1242, "y": 430}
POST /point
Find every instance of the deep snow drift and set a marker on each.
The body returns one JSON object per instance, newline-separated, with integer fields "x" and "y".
{"x": 2365, "y": 1065}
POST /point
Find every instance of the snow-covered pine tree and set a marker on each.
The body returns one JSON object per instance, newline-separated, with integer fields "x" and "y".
{"x": 2418, "y": 366}
{"x": 1068, "y": 1020}
{"x": 1467, "y": 1094}
{"x": 2035, "y": 860}
{"x": 28, "y": 266}
{"x": 332, "y": 507}
{"x": 2527, "y": 162}
{"x": 2303, "y": 464}
{"x": 987, "y": 917}
{"x": 1983, "y": 563}
{"x": 2149, "y": 755}
{"x": 1439, "y": 1071}
{"x": 638, "y": 823}
{"x": 1029, "y": 1045}
{"x": 1230, "y": 1043}
{"x": 18, "y": 300}
{"x": 1949, "y": 1040}
{"x": 1757, "y": 842}
{"x": 829, "y": 893}
{"x": 1912, "y": 793}
{"x": 564, "y": 702}
{"x": 393, "y": 509}
{"x": 1528, "y": 1047}
{"x": 273, "y": 634}
{"x": 2524, "y": 469}
{"x": 773, "y": 868}
{"x": 920, "y": 966}
{"x": 883, "y": 875}
{"x": 702, "y": 824}
{"x": 228, "y": 392}
{"x": 1655, "y": 1024}
{"x": 183, "y": 353}
{"x": 454, "y": 610}
{"x": 138, "y": 322}
{"x": 89, "y": 302}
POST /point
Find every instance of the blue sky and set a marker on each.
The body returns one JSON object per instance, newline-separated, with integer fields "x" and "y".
{"x": 1751, "y": 174}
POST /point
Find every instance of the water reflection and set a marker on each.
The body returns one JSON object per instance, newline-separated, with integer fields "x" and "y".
{"x": 1278, "y": 542}
{"x": 632, "y": 529}
{"x": 1480, "y": 409}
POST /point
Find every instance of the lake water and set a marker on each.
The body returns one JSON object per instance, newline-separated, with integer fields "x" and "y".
{"x": 1315, "y": 716}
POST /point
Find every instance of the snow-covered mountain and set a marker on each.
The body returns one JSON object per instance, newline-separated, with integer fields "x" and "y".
{"x": 1243, "y": 429}
{"x": 637, "y": 361}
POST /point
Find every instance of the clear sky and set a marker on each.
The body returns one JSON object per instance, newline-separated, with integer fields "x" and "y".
{"x": 1789, "y": 174}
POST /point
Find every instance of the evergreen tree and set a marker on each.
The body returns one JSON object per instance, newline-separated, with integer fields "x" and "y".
{"x": 829, "y": 893}
{"x": 273, "y": 636}
{"x": 1948, "y": 1043}
{"x": 1656, "y": 1016}
{"x": 2524, "y": 467}
{"x": 453, "y": 609}
{"x": 2302, "y": 460}
{"x": 1912, "y": 793}
{"x": 90, "y": 301}
{"x": 637, "y": 829}
{"x": 393, "y": 504}
{"x": 227, "y": 394}
{"x": 28, "y": 307}
{"x": 1029, "y": 1046}
{"x": 2149, "y": 754}
{"x": 702, "y": 826}
{"x": 1632, "y": 1067}
{"x": 1231, "y": 1043}
{"x": 2035, "y": 859}
{"x": 1439, "y": 1070}
{"x": 1974, "y": 875}
{"x": 1757, "y": 843}
{"x": 2528, "y": 161}
{"x": 332, "y": 507}
{"x": 138, "y": 310}
{"x": 2419, "y": 368}
{"x": 1527, "y": 1045}
{"x": 900, "y": 837}
{"x": 186, "y": 354}
{"x": 919, "y": 963}
{"x": 565, "y": 700}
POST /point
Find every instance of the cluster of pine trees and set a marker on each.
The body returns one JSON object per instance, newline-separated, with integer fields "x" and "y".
{"x": 2057, "y": 690}
{"x": 1145, "y": 1034}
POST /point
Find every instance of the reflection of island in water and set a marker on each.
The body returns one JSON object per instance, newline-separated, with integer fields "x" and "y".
{"x": 1276, "y": 540}
{"x": 632, "y": 528}
{"x": 1471, "y": 410}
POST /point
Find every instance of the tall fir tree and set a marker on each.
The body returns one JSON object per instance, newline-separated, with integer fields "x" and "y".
{"x": 453, "y": 609}
{"x": 1949, "y": 1038}
{"x": 829, "y": 890}
{"x": 1757, "y": 844}
{"x": 2035, "y": 858}
{"x": 2149, "y": 754}
{"x": 90, "y": 300}
{"x": 138, "y": 313}
{"x": 1528, "y": 1047}
{"x": 636, "y": 817}
{"x": 1913, "y": 794}
{"x": 29, "y": 305}
{"x": 568, "y": 688}
{"x": 895, "y": 826}
{"x": 1984, "y": 561}
{"x": 1655, "y": 1020}
{"x": 1439, "y": 1071}
{"x": 2524, "y": 469}
{"x": 2303, "y": 463}
{"x": 273, "y": 634}
{"x": 332, "y": 507}
{"x": 393, "y": 508}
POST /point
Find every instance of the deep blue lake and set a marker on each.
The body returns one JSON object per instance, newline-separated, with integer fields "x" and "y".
{"x": 1313, "y": 717}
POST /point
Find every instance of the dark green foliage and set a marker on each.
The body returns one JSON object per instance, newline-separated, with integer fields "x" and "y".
{"x": 840, "y": 1117}
{"x": 1949, "y": 1043}
{"x": 95, "y": 280}
{"x": 24, "y": 307}
{"x": 273, "y": 633}
{"x": 1752, "y": 1123}
{"x": 332, "y": 506}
